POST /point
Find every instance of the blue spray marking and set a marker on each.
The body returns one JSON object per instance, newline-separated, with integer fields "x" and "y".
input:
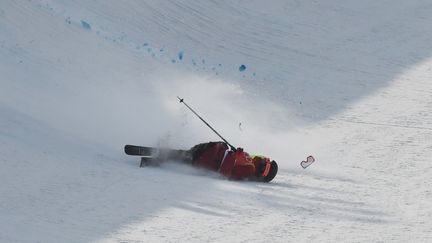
{"x": 242, "y": 68}
{"x": 193, "y": 62}
{"x": 180, "y": 55}
{"x": 145, "y": 44}
{"x": 173, "y": 61}
{"x": 85, "y": 25}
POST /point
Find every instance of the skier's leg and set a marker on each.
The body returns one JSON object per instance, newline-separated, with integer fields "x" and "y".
{"x": 197, "y": 150}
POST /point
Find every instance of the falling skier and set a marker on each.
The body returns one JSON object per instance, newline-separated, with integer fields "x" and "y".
{"x": 222, "y": 157}
{"x": 215, "y": 156}
{"x": 234, "y": 164}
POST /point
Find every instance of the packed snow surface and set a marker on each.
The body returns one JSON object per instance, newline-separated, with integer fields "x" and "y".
{"x": 346, "y": 81}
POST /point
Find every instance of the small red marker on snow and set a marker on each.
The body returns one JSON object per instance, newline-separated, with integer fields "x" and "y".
{"x": 309, "y": 160}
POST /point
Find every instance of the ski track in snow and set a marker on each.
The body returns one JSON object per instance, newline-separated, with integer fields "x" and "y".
{"x": 346, "y": 81}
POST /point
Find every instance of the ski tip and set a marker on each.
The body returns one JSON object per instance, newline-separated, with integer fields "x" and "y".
{"x": 131, "y": 149}
{"x": 126, "y": 148}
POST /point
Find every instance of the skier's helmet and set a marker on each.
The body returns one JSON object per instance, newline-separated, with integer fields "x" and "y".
{"x": 266, "y": 169}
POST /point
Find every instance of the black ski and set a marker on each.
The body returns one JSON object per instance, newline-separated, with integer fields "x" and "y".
{"x": 152, "y": 155}
{"x": 149, "y": 161}
{"x": 153, "y": 152}
{"x": 139, "y": 150}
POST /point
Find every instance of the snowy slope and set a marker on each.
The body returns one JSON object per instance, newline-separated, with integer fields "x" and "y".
{"x": 347, "y": 81}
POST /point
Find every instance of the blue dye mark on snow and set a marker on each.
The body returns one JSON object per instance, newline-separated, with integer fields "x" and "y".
{"x": 68, "y": 20}
{"x": 220, "y": 65}
{"x": 242, "y": 68}
{"x": 85, "y": 25}
{"x": 145, "y": 44}
{"x": 193, "y": 62}
{"x": 173, "y": 61}
{"x": 180, "y": 55}
{"x": 254, "y": 74}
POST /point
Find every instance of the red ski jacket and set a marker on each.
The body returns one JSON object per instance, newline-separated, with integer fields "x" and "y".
{"x": 217, "y": 156}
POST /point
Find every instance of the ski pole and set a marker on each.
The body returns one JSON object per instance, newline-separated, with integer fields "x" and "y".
{"x": 182, "y": 101}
